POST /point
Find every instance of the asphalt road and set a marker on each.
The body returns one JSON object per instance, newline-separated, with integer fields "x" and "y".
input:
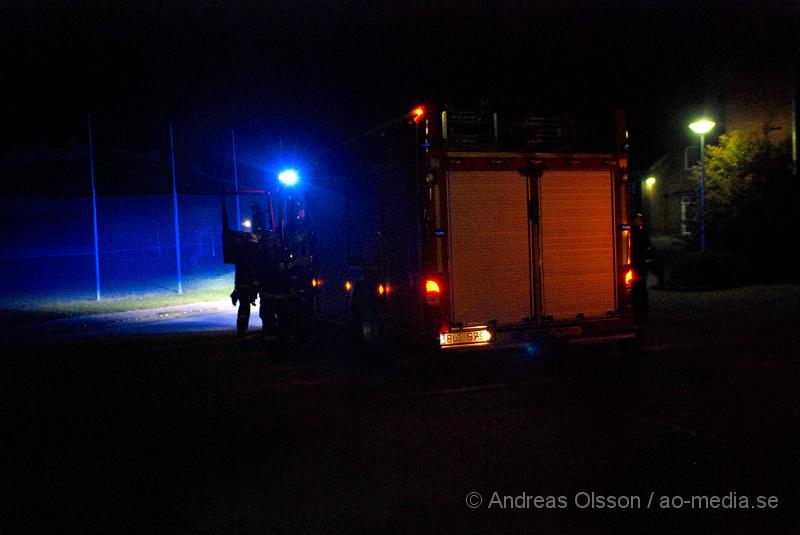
{"x": 168, "y": 424}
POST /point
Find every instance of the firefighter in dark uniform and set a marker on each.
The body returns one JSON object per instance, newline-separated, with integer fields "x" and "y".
{"x": 245, "y": 289}
{"x": 274, "y": 289}
{"x": 300, "y": 248}
{"x": 247, "y": 283}
{"x": 641, "y": 253}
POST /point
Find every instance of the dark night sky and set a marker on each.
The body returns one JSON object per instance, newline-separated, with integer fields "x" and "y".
{"x": 309, "y": 72}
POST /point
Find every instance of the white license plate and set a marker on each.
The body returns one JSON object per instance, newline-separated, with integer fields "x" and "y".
{"x": 465, "y": 338}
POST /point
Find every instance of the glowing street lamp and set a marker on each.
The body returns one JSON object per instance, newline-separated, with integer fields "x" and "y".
{"x": 702, "y": 127}
{"x": 647, "y": 197}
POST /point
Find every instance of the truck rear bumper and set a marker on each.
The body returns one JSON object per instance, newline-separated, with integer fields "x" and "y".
{"x": 592, "y": 331}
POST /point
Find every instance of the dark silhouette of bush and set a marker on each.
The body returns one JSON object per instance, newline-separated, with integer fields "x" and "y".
{"x": 752, "y": 204}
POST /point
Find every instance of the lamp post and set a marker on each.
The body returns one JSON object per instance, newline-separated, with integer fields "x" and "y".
{"x": 702, "y": 127}
{"x": 647, "y": 197}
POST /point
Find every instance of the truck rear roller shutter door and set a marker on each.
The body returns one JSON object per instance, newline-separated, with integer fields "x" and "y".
{"x": 577, "y": 243}
{"x": 490, "y": 271}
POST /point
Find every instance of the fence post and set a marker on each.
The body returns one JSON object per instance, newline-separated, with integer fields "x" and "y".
{"x": 175, "y": 211}
{"x": 213, "y": 248}
{"x": 94, "y": 211}
{"x": 236, "y": 183}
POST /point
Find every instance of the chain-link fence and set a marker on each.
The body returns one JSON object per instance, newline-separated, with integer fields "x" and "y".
{"x": 47, "y": 248}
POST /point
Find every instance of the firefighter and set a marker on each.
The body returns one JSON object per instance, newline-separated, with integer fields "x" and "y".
{"x": 301, "y": 243}
{"x": 247, "y": 279}
{"x": 274, "y": 287}
{"x": 642, "y": 254}
{"x": 300, "y": 271}
{"x": 246, "y": 283}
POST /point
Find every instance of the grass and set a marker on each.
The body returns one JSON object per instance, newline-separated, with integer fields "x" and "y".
{"x": 196, "y": 291}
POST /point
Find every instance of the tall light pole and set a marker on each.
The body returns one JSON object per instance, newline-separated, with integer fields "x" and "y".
{"x": 94, "y": 212}
{"x": 175, "y": 213}
{"x": 236, "y": 184}
{"x": 702, "y": 127}
{"x": 648, "y": 198}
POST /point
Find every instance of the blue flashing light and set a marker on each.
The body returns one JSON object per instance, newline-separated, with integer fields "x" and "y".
{"x": 289, "y": 177}
{"x": 531, "y": 350}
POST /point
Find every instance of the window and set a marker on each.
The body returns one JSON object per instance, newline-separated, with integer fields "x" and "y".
{"x": 687, "y": 209}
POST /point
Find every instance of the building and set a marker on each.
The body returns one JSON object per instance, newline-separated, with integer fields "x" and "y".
{"x": 758, "y": 102}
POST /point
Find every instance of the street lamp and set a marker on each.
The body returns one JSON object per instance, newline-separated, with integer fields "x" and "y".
{"x": 647, "y": 200}
{"x": 702, "y": 127}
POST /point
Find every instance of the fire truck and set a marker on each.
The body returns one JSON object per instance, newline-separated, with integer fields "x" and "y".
{"x": 472, "y": 227}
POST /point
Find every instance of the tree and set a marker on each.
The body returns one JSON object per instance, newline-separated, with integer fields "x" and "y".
{"x": 752, "y": 201}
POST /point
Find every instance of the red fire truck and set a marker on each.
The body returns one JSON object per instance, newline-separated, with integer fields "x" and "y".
{"x": 474, "y": 228}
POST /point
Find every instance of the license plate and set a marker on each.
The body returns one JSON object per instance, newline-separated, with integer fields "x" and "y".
{"x": 465, "y": 338}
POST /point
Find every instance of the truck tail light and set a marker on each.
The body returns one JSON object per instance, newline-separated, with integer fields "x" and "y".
{"x": 417, "y": 113}
{"x": 385, "y": 289}
{"x": 629, "y": 277}
{"x": 432, "y": 292}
